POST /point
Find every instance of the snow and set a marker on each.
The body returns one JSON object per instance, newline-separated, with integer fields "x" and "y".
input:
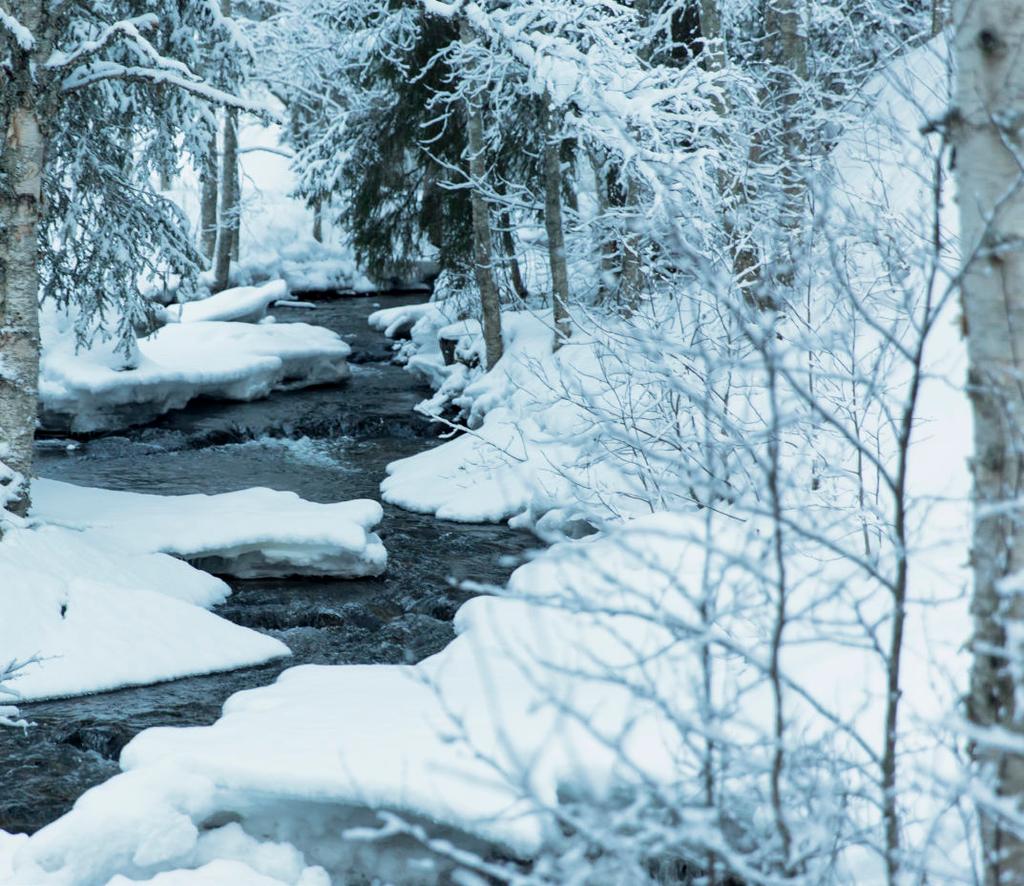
{"x": 102, "y": 615}
{"x": 248, "y": 534}
{"x": 282, "y": 747}
{"x": 9, "y": 844}
{"x": 305, "y": 266}
{"x": 94, "y": 585}
{"x": 276, "y": 239}
{"x": 525, "y": 451}
{"x": 393, "y": 322}
{"x": 98, "y": 389}
{"x": 235, "y": 857}
{"x": 244, "y": 303}
{"x": 578, "y": 680}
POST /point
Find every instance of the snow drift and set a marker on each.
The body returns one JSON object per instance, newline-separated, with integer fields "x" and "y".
{"x": 102, "y": 616}
{"x": 100, "y": 389}
{"x": 247, "y": 304}
{"x": 248, "y": 534}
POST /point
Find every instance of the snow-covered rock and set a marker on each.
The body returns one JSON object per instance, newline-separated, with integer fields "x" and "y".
{"x": 93, "y": 390}
{"x": 398, "y": 322}
{"x": 249, "y": 533}
{"x": 246, "y": 304}
{"x": 102, "y": 615}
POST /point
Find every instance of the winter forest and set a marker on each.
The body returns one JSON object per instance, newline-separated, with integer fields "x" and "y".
{"x": 524, "y": 442}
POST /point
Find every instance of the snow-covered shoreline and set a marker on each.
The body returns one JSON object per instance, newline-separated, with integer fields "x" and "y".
{"x": 88, "y": 391}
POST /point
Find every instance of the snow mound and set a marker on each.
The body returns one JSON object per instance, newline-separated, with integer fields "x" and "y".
{"x": 245, "y": 304}
{"x": 301, "y": 759}
{"x": 103, "y": 616}
{"x": 248, "y": 534}
{"x": 88, "y": 391}
{"x": 399, "y": 321}
{"x": 522, "y": 451}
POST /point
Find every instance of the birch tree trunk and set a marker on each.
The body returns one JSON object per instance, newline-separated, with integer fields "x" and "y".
{"x": 22, "y": 162}
{"x": 208, "y": 184}
{"x": 989, "y": 99}
{"x": 483, "y": 259}
{"x": 745, "y": 260}
{"x": 228, "y": 218}
{"x": 235, "y": 219}
{"x": 787, "y": 57}
{"x": 553, "y": 224}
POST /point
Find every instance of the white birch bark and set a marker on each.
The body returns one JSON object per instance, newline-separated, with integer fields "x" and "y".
{"x": 989, "y": 103}
{"x": 228, "y": 218}
{"x": 22, "y": 162}
{"x": 787, "y": 57}
{"x": 208, "y": 186}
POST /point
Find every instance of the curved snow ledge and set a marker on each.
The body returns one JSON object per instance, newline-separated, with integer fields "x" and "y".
{"x": 249, "y": 534}
{"x": 103, "y": 616}
{"x": 245, "y": 304}
{"x": 233, "y": 361}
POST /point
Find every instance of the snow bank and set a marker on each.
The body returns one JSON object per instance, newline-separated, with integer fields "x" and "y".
{"x": 93, "y": 590}
{"x": 103, "y": 615}
{"x": 9, "y": 844}
{"x": 418, "y": 327}
{"x": 398, "y": 322}
{"x": 439, "y": 742}
{"x": 250, "y": 533}
{"x": 98, "y": 389}
{"x": 244, "y": 303}
{"x": 525, "y": 452}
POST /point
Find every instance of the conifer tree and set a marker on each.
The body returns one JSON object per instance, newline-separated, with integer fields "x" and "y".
{"x": 97, "y": 95}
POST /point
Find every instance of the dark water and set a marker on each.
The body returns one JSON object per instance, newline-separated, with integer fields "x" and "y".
{"x": 345, "y": 435}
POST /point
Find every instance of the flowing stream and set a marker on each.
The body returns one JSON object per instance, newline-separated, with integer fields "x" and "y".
{"x": 327, "y": 444}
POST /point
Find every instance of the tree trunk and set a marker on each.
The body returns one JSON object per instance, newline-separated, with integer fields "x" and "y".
{"x": 235, "y": 218}
{"x": 787, "y": 59}
{"x": 990, "y": 95}
{"x": 483, "y": 261}
{"x": 508, "y": 244}
{"x": 606, "y": 189}
{"x": 553, "y": 223}
{"x": 743, "y": 254}
{"x": 713, "y": 47}
{"x": 318, "y": 222}
{"x": 228, "y": 202}
{"x": 208, "y": 184}
{"x": 631, "y": 279}
{"x": 22, "y": 163}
